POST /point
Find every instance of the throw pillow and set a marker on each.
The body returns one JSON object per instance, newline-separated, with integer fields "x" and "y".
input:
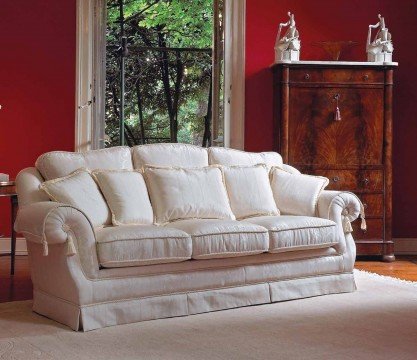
{"x": 249, "y": 191}
{"x": 81, "y": 191}
{"x": 296, "y": 194}
{"x": 181, "y": 193}
{"x": 126, "y": 195}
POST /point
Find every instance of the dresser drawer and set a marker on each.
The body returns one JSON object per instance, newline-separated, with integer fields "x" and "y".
{"x": 374, "y": 231}
{"x": 373, "y": 204}
{"x": 353, "y": 180}
{"x": 350, "y": 76}
{"x": 316, "y": 138}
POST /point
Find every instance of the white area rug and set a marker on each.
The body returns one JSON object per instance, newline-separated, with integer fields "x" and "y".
{"x": 379, "y": 321}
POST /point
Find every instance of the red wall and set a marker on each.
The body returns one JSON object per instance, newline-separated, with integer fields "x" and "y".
{"x": 37, "y": 78}
{"x": 339, "y": 20}
{"x": 37, "y": 83}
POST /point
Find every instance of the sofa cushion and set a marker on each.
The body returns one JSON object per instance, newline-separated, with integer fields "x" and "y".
{"x": 126, "y": 195}
{"x": 114, "y": 158}
{"x": 134, "y": 245}
{"x": 290, "y": 233}
{"x": 179, "y": 193}
{"x": 296, "y": 194}
{"x": 81, "y": 191}
{"x": 223, "y": 238}
{"x": 249, "y": 191}
{"x": 232, "y": 157}
{"x": 57, "y": 164}
{"x": 181, "y": 155}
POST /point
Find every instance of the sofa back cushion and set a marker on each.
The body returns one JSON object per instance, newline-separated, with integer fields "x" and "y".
{"x": 249, "y": 191}
{"x": 182, "y": 193}
{"x": 296, "y": 194}
{"x": 232, "y": 157}
{"x": 57, "y": 164}
{"x": 81, "y": 191}
{"x": 178, "y": 155}
{"x": 126, "y": 195}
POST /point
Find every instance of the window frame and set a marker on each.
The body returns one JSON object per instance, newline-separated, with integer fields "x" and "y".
{"x": 91, "y": 74}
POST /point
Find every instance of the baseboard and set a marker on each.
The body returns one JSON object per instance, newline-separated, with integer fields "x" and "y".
{"x": 405, "y": 246}
{"x": 5, "y": 245}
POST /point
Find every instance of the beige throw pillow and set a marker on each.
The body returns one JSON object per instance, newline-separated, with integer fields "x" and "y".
{"x": 180, "y": 193}
{"x": 296, "y": 194}
{"x": 249, "y": 191}
{"x": 80, "y": 190}
{"x": 126, "y": 195}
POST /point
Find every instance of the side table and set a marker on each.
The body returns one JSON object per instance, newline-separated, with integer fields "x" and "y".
{"x": 8, "y": 188}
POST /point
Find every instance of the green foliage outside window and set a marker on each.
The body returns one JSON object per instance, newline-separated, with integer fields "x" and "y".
{"x": 160, "y": 86}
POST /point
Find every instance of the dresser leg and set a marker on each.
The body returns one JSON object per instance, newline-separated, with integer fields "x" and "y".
{"x": 388, "y": 258}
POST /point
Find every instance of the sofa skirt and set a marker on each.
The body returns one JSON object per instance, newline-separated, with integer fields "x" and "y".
{"x": 95, "y": 316}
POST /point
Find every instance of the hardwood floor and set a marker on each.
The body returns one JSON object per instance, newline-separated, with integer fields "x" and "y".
{"x": 404, "y": 267}
{"x": 19, "y": 287}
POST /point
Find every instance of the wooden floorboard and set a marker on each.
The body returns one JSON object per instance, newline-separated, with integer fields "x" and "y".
{"x": 19, "y": 286}
{"x": 404, "y": 267}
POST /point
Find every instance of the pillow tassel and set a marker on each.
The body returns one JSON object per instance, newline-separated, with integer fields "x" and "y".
{"x": 45, "y": 247}
{"x": 347, "y": 226}
{"x": 71, "y": 250}
{"x": 363, "y": 223}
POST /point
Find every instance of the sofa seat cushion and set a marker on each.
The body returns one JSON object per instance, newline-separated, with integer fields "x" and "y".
{"x": 213, "y": 238}
{"x": 134, "y": 245}
{"x": 290, "y": 233}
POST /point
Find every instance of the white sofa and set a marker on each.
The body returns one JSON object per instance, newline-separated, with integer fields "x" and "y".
{"x": 79, "y": 292}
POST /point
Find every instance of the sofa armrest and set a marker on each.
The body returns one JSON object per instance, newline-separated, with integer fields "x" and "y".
{"x": 50, "y": 223}
{"x": 342, "y": 208}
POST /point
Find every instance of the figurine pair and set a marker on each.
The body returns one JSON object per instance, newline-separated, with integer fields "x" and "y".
{"x": 287, "y": 48}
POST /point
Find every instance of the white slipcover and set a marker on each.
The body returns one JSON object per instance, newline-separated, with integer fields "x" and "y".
{"x": 223, "y": 238}
{"x": 73, "y": 288}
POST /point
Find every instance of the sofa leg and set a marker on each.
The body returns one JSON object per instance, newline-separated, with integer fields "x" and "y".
{"x": 388, "y": 258}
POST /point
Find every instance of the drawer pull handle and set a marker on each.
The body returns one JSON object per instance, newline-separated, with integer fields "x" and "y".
{"x": 307, "y": 76}
{"x": 365, "y": 77}
{"x": 336, "y": 179}
{"x": 337, "y": 116}
{"x": 366, "y": 181}
{"x": 365, "y": 205}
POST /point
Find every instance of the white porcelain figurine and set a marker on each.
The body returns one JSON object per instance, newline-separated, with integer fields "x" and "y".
{"x": 381, "y": 48}
{"x": 288, "y": 47}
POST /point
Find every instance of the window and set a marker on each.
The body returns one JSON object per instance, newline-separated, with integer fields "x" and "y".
{"x": 153, "y": 71}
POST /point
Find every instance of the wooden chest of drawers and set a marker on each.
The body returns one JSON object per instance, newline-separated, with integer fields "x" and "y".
{"x": 353, "y": 152}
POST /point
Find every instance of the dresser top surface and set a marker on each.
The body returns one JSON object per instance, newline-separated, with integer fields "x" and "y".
{"x": 336, "y": 63}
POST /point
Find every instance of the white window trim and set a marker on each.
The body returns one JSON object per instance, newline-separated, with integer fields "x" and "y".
{"x": 84, "y": 75}
{"x": 90, "y": 74}
{"x": 234, "y": 74}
